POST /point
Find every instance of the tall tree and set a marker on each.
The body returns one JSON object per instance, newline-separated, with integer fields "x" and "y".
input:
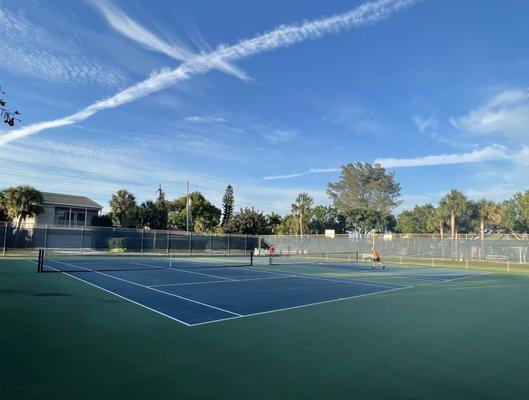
{"x": 22, "y": 202}
{"x": 363, "y": 220}
{"x": 4, "y": 217}
{"x": 273, "y": 223}
{"x": 124, "y": 208}
{"x": 327, "y": 217}
{"x": 161, "y": 209}
{"x": 227, "y": 205}
{"x": 247, "y": 221}
{"x": 488, "y": 212}
{"x": 289, "y": 225}
{"x": 417, "y": 220}
{"x": 364, "y": 185}
{"x": 456, "y": 204}
{"x": 200, "y": 208}
{"x": 514, "y": 213}
{"x": 151, "y": 215}
{"x": 301, "y": 208}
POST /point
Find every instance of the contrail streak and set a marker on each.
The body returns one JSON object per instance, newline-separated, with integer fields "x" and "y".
{"x": 283, "y": 36}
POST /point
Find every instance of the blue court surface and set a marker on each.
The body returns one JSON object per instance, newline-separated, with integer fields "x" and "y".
{"x": 200, "y": 295}
{"x": 197, "y": 293}
{"x": 436, "y": 274}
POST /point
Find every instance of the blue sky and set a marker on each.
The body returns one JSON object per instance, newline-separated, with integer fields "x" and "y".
{"x": 436, "y": 91}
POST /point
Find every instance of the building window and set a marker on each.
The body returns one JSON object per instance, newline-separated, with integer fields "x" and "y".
{"x": 62, "y": 217}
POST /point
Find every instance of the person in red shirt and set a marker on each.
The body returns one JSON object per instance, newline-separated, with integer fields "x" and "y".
{"x": 271, "y": 251}
{"x": 375, "y": 258}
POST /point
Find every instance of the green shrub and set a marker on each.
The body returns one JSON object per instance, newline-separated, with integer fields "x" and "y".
{"x": 116, "y": 244}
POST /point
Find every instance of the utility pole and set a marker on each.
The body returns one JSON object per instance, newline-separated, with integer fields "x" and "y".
{"x": 187, "y": 207}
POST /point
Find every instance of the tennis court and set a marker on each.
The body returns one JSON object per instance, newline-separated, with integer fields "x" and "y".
{"x": 256, "y": 330}
{"x": 205, "y": 289}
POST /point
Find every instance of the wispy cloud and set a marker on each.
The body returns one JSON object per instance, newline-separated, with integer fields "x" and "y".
{"x": 354, "y": 118}
{"x": 279, "y": 135}
{"x": 284, "y": 36}
{"x": 506, "y": 113}
{"x": 298, "y": 174}
{"x": 81, "y": 167}
{"x": 32, "y": 50}
{"x": 129, "y": 28}
{"x": 424, "y": 124}
{"x": 490, "y": 153}
{"x": 204, "y": 119}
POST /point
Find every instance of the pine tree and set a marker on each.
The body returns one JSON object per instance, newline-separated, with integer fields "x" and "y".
{"x": 227, "y": 205}
{"x": 161, "y": 206}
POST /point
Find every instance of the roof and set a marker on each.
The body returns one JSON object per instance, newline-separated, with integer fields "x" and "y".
{"x": 69, "y": 200}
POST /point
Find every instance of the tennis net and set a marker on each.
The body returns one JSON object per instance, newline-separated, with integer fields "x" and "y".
{"x": 70, "y": 261}
{"x": 314, "y": 258}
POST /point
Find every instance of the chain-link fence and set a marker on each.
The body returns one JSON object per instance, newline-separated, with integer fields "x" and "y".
{"x": 53, "y": 237}
{"x": 431, "y": 248}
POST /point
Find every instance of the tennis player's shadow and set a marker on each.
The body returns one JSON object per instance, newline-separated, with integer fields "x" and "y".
{"x": 52, "y": 294}
{"x": 30, "y": 293}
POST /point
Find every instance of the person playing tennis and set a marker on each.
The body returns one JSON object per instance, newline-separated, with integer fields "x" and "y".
{"x": 375, "y": 258}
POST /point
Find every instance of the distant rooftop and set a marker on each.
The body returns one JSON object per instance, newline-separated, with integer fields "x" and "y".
{"x": 70, "y": 200}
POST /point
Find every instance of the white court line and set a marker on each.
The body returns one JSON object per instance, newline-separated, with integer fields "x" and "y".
{"x": 431, "y": 278}
{"x": 235, "y": 280}
{"x": 303, "y": 305}
{"x": 117, "y": 295}
{"x": 151, "y": 288}
{"x": 466, "y": 276}
{"x": 183, "y": 270}
{"x": 345, "y": 280}
{"x": 236, "y": 315}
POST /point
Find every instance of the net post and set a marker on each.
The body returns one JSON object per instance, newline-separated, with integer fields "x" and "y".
{"x": 40, "y": 261}
{"x": 190, "y": 240}
{"x": 46, "y": 237}
{"x": 5, "y": 239}
{"x": 82, "y": 239}
{"x": 229, "y": 243}
{"x": 251, "y": 258}
{"x": 141, "y": 246}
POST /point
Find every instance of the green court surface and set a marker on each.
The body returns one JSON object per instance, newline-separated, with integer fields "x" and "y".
{"x": 457, "y": 339}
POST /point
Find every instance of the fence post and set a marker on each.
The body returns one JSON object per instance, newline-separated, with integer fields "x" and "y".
{"x": 245, "y": 244}
{"x": 210, "y": 243}
{"x": 5, "y": 239}
{"x": 154, "y": 241}
{"x": 82, "y": 238}
{"x": 229, "y": 243}
{"x": 46, "y": 237}
{"x": 190, "y": 234}
{"x": 168, "y": 240}
{"x": 141, "y": 246}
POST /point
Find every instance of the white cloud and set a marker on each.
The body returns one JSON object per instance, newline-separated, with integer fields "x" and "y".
{"x": 279, "y": 135}
{"x": 354, "y": 118}
{"x": 298, "y": 174}
{"x": 507, "y": 113}
{"x": 490, "y": 153}
{"x": 283, "y": 36}
{"x": 81, "y": 167}
{"x": 32, "y": 50}
{"x": 425, "y": 124}
{"x": 204, "y": 119}
{"x": 134, "y": 31}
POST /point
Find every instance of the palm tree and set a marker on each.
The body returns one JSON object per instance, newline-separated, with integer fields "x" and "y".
{"x": 456, "y": 204}
{"x": 124, "y": 208}
{"x": 22, "y": 202}
{"x": 301, "y": 208}
{"x": 488, "y": 211}
{"x": 437, "y": 221}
